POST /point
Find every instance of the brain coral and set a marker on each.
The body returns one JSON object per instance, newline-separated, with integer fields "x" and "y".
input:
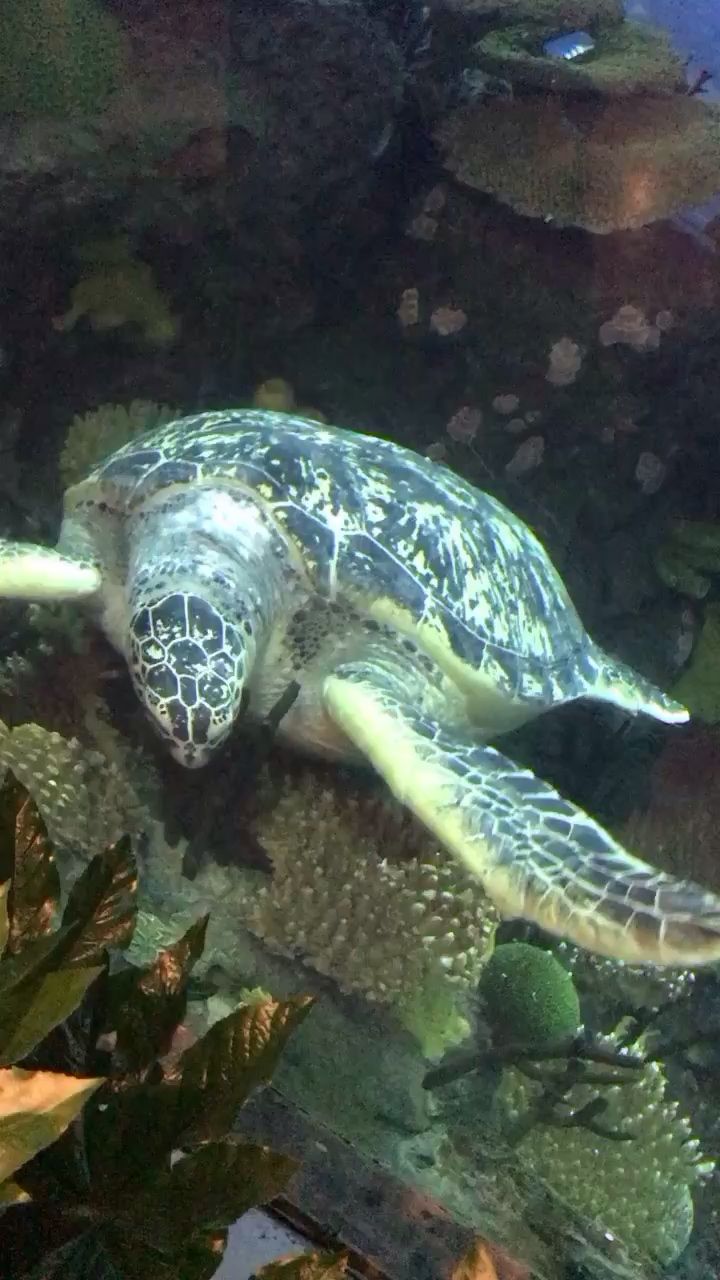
{"x": 601, "y": 165}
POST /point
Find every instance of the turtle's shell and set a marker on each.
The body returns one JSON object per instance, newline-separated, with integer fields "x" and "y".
{"x": 402, "y": 538}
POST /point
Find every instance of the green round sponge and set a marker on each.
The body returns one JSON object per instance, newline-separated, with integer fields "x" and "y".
{"x": 530, "y": 999}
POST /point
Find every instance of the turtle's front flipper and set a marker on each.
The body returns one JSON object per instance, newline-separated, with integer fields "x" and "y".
{"x": 29, "y": 572}
{"x": 537, "y": 855}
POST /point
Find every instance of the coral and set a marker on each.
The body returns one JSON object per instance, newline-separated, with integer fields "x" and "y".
{"x": 629, "y": 326}
{"x": 627, "y": 59}
{"x": 279, "y": 395}
{"x": 529, "y": 999}
{"x": 699, "y": 685}
{"x": 526, "y": 457}
{"x": 93, "y": 436}
{"x": 565, "y": 363}
{"x": 623, "y": 988}
{"x": 87, "y": 801}
{"x": 276, "y": 394}
{"x": 59, "y": 57}
{"x": 689, "y": 554}
{"x": 117, "y": 290}
{"x": 410, "y": 932}
{"x": 600, "y": 165}
{"x": 640, "y": 1190}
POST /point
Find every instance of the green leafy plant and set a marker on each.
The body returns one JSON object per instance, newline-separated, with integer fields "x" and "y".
{"x": 116, "y": 1157}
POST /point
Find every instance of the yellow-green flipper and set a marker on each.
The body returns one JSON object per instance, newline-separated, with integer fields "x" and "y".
{"x": 29, "y": 572}
{"x": 538, "y": 855}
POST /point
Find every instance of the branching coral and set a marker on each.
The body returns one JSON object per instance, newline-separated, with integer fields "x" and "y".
{"x": 639, "y": 1189}
{"x": 93, "y": 436}
{"x": 407, "y": 932}
{"x": 603, "y": 166}
{"x": 87, "y": 802}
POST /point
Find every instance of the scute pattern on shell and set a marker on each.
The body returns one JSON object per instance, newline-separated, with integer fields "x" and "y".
{"x": 371, "y": 520}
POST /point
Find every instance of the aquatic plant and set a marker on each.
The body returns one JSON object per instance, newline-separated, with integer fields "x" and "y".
{"x": 637, "y": 1179}
{"x": 59, "y": 57}
{"x": 110, "y": 1193}
{"x": 605, "y": 166}
{"x": 93, "y": 436}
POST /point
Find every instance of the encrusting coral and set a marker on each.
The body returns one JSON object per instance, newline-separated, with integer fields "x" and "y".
{"x": 638, "y": 1188}
{"x": 93, "y": 436}
{"x": 603, "y": 165}
{"x": 411, "y": 933}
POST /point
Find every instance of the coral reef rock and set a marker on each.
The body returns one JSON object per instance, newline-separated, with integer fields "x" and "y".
{"x": 639, "y": 1189}
{"x": 389, "y": 930}
{"x": 604, "y": 167}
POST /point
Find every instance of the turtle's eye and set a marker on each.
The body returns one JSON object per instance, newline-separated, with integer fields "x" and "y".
{"x": 187, "y": 665}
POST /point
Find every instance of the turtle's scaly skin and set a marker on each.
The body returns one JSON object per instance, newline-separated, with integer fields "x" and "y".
{"x": 246, "y": 552}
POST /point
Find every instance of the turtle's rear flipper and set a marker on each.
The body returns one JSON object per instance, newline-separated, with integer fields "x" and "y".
{"x": 29, "y": 572}
{"x": 537, "y": 855}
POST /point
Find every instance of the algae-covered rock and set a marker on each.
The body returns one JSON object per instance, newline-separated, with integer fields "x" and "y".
{"x": 598, "y": 164}
{"x": 699, "y": 685}
{"x": 529, "y": 998}
{"x": 689, "y": 556}
{"x": 59, "y": 57}
{"x": 626, "y": 59}
{"x": 362, "y": 894}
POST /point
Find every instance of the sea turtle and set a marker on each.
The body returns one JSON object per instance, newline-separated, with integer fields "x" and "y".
{"x": 230, "y": 555}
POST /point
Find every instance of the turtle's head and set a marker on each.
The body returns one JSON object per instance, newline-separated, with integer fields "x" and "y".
{"x": 188, "y": 664}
